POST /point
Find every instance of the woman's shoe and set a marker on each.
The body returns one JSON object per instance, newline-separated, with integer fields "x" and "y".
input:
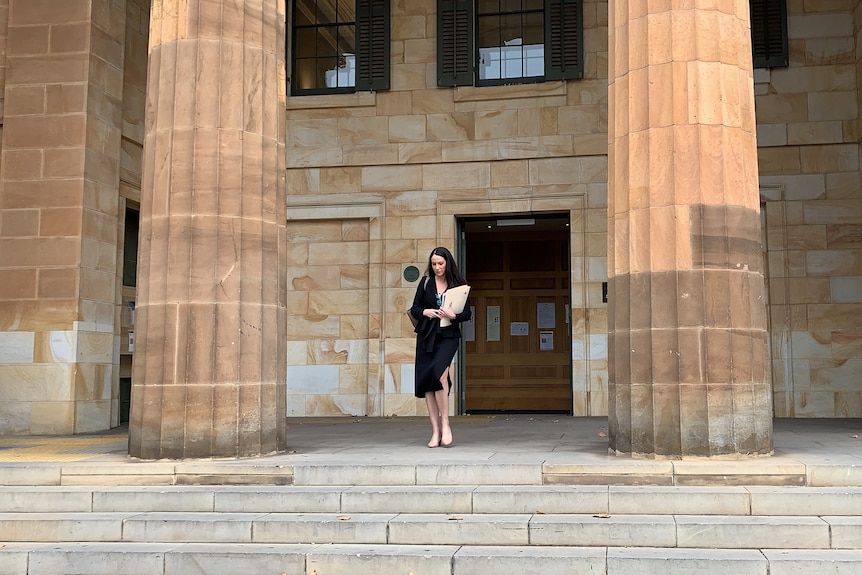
{"x": 443, "y": 441}
{"x": 435, "y": 441}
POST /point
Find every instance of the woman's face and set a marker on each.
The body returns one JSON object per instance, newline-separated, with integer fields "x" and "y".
{"x": 438, "y": 265}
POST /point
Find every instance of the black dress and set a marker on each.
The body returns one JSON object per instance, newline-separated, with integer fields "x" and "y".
{"x": 435, "y": 346}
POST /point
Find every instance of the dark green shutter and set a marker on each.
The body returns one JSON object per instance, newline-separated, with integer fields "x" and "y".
{"x": 372, "y": 44}
{"x": 769, "y": 33}
{"x": 564, "y": 39}
{"x": 455, "y": 23}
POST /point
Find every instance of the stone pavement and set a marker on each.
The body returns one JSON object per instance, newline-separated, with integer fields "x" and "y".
{"x": 516, "y": 494}
{"x": 541, "y": 449}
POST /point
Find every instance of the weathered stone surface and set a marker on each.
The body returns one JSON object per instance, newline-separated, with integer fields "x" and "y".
{"x": 211, "y": 380}
{"x": 688, "y": 370}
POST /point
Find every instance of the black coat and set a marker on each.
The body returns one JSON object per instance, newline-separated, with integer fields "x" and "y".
{"x": 425, "y": 298}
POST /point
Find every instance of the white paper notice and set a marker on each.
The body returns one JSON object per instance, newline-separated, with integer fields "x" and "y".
{"x": 546, "y": 341}
{"x": 468, "y": 328}
{"x": 493, "y": 323}
{"x": 519, "y": 328}
{"x": 546, "y": 315}
{"x": 131, "y": 340}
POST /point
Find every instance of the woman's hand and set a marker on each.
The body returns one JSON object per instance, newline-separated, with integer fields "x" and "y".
{"x": 438, "y": 313}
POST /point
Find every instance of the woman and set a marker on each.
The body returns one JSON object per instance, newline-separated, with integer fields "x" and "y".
{"x": 435, "y": 344}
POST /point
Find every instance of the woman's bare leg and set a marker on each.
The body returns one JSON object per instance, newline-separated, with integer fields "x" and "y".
{"x": 434, "y": 415}
{"x": 442, "y": 397}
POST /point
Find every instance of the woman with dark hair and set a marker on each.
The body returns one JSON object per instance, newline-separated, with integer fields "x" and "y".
{"x": 436, "y": 345}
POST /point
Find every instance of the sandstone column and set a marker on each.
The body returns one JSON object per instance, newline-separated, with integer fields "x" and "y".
{"x": 687, "y": 319}
{"x": 210, "y": 359}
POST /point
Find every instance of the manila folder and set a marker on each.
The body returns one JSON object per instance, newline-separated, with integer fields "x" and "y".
{"x": 455, "y": 299}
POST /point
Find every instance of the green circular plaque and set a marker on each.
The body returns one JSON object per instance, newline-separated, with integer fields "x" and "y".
{"x": 411, "y": 273}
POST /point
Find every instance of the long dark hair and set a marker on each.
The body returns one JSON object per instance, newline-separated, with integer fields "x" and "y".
{"x": 453, "y": 274}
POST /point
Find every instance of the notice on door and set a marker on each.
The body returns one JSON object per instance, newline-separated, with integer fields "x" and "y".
{"x": 519, "y": 328}
{"x": 546, "y": 341}
{"x": 493, "y": 323}
{"x": 468, "y": 328}
{"x": 546, "y": 315}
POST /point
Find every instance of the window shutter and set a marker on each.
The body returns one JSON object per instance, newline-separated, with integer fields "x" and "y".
{"x": 769, "y": 33}
{"x": 455, "y": 55}
{"x": 372, "y": 44}
{"x": 564, "y": 33}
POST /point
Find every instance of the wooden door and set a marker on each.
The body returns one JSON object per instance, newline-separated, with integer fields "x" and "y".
{"x": 520, "y": 358}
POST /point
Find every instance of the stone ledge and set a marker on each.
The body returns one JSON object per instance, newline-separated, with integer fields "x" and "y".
{"x": 657, "y": 473}
{"x": 510, "y": 529}
{"x": 357, "y": 559}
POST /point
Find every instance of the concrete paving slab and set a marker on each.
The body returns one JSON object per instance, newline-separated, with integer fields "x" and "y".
{"x": 62, "y": 526}
{"x": 753, "y": 532}
{"x": 457, "y": 529}
{"x": 381, "y": 559}
{"x": 847, "y": 474}
{"x": 697, "y": 500}
{"x": 97, "y": 559}
{"x": 529, "y": 560}
{"x": 219, "y": 559}
{"x": 598, "y": 530}
{"x": 20, "y": 499}
{"x": 541, "y": 499}
{"x": 366, "y": 528}
{"x": 148, "y": 498}
{"x": 644, "y": 561}
{"x": 808, "y": 562}
{"x": 491, "y": 473}
{"x": 337, "y": 473}
{"x": 30, "y": 474}
{"x": 408, "y": 499}
{"x": 846, "y": 531}
{"x": 190, "y": 527}
{"x": 806, "y": 501}
{"x": 378, "y": 451}
{"x": 279, "y": 499}
{"x": 13, "y": 559}
{"x": 757, "y": 471}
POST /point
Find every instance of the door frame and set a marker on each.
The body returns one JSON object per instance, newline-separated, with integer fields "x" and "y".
{"x": 461, "y": 257}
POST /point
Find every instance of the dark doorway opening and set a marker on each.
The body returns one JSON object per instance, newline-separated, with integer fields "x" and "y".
{"x": 517, "y": 352}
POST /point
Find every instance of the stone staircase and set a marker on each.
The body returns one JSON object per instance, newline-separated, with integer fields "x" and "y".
{"x": 400, "y": 526}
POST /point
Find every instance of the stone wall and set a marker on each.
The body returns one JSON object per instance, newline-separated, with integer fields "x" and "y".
{"x": 59, "y": 207}
{"x": 417, "y": 156}
{"x": 402, "y": 164}
{"x": 808, "y": 139}
{"x": 375, "y": 181}
{"x": 857, "y": 36}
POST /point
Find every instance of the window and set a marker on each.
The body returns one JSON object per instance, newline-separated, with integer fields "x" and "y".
{"x": 130, "y": 247}
{"x": 516, "y": 41}
{"x": 340, "y": 46}
{"x": 769, "y": 33}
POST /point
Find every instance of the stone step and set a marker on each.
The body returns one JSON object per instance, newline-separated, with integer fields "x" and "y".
{"x": 280, "y": 559}
{"x": 511, "y": 529}
{"x": 558, "y": 470}
{"x": 469, "y": 499}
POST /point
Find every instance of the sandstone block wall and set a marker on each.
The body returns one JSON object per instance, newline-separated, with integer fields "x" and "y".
{"x": 398, "y": 167}
{"x": 375, "y": 180}
{"x": 58, "y": 214}
{"x": 417, "y": 156}
{"x": 811, "y": 187}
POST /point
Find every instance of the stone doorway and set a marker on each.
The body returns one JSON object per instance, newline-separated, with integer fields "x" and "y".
{"x": 517, "y": 349}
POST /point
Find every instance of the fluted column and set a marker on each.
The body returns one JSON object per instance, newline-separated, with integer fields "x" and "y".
{"x": 210, "y": 358}
{"x": 687, "y": 319}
